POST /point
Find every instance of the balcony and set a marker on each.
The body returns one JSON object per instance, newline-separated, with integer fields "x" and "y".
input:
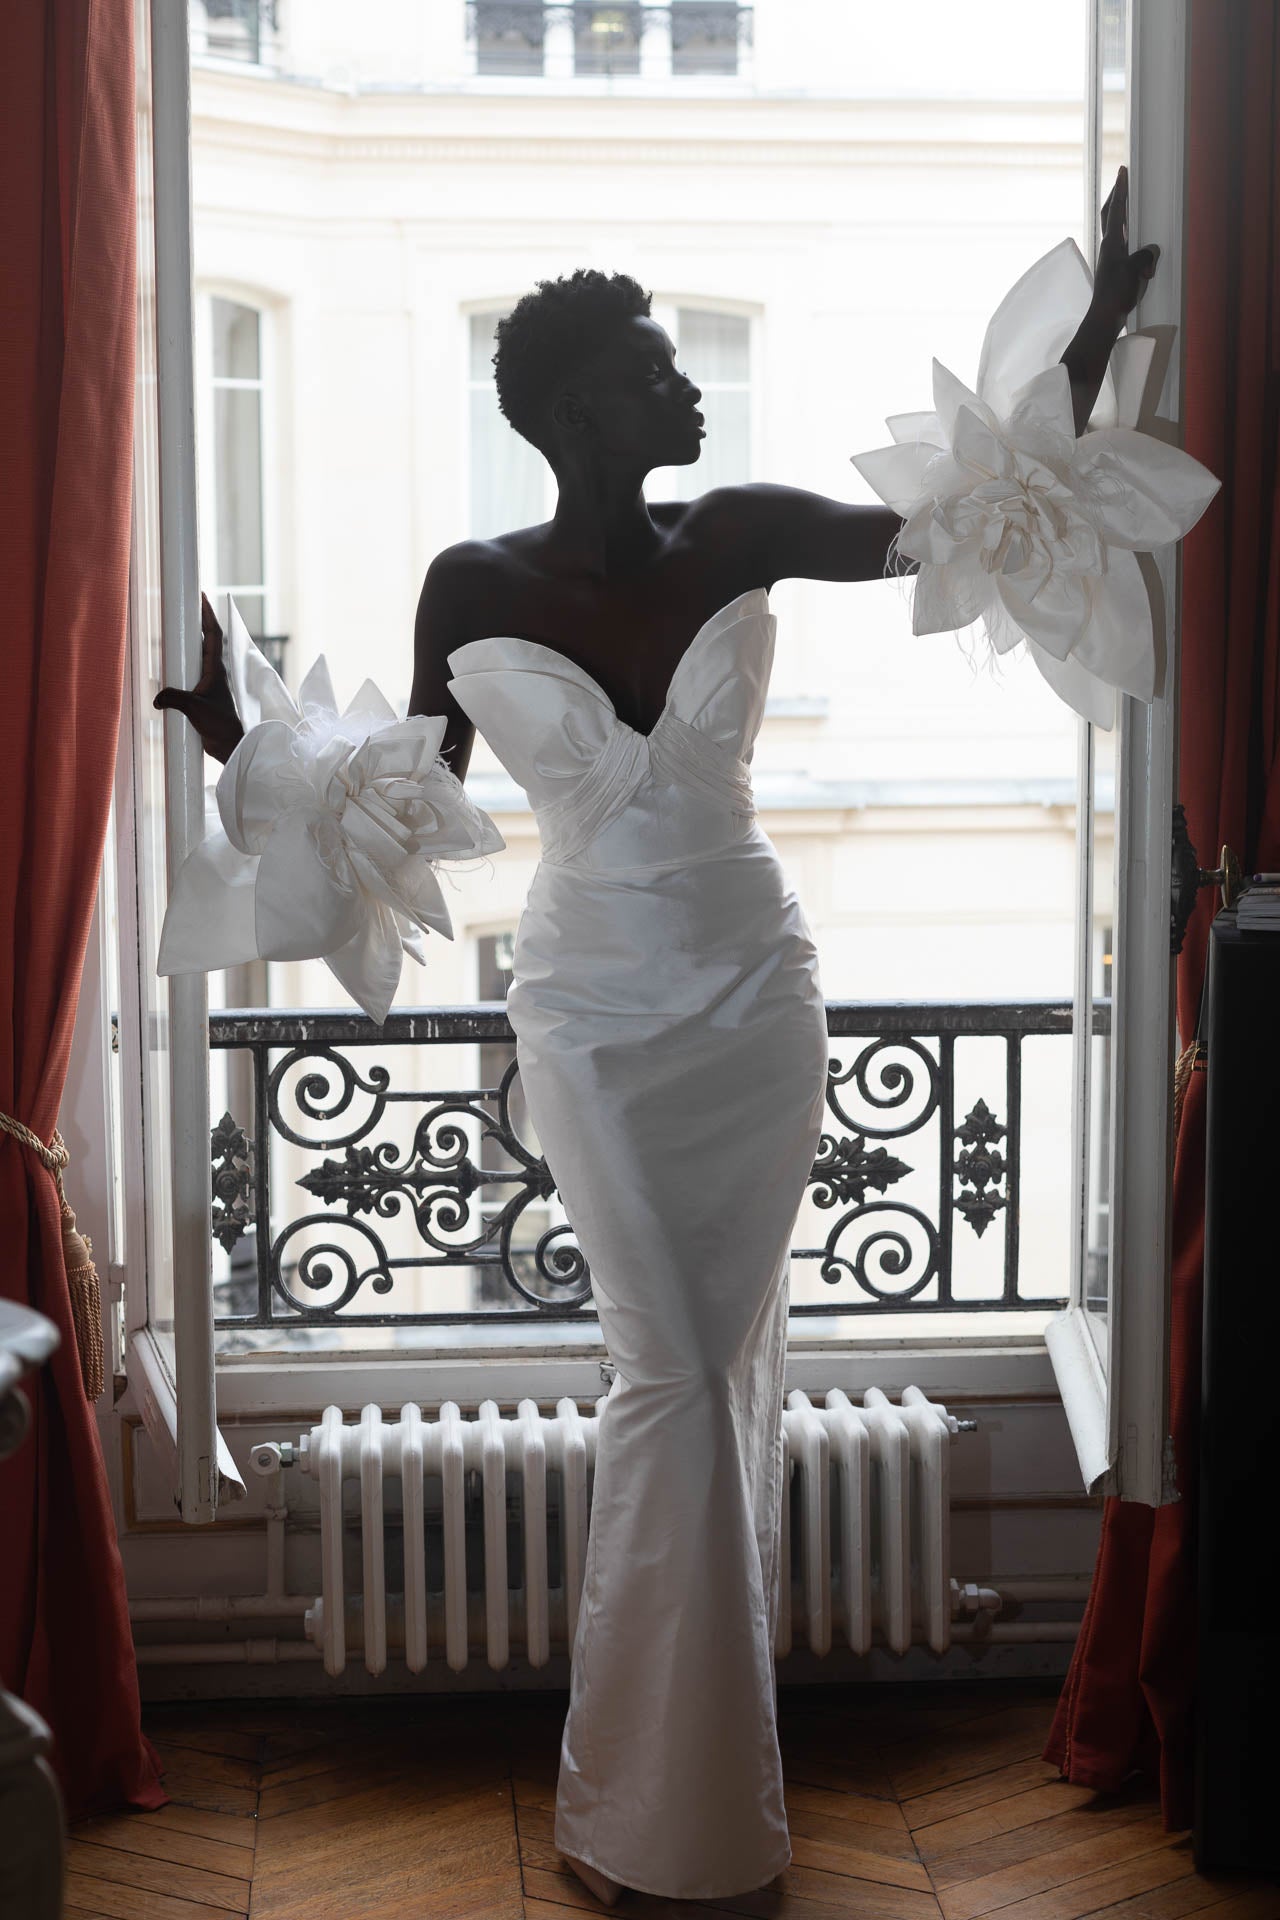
{"x": 429, "y": 1203}
{"x": 567, "y": 39}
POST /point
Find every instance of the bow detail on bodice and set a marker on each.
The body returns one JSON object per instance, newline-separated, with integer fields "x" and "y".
{"x": 605, "y": 796}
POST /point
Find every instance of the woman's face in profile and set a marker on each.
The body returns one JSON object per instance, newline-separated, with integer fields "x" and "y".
{"x": 633, "y": 402}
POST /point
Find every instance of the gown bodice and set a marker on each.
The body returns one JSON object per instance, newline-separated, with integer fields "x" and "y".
{"x": 605, "y": 796}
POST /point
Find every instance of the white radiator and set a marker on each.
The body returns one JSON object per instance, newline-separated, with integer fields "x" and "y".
{"x": 869, "y": 1495}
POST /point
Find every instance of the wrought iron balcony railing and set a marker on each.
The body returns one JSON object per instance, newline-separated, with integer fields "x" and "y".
{"x": 429, "y": 1192}
{"x": 519, "y": 37}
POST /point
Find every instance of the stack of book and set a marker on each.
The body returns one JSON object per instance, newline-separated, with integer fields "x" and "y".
{"x": 1258, "y": 907}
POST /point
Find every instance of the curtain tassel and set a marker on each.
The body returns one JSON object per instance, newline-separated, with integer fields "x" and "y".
{"x": 83, "y": 1284}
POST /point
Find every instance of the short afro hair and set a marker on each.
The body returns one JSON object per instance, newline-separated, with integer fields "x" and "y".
{"x": 553, "y": 329}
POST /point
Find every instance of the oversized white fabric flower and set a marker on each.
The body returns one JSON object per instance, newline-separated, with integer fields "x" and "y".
{"x": 1021, "y": 525}
{"x": 325, "y": 835}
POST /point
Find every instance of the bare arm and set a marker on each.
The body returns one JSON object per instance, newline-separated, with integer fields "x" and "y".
{"x": 791, "y": 534}
{"x": 439, "y": 628}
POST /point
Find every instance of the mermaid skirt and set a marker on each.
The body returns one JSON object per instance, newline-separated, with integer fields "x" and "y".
{"x": 671, "y": 1033}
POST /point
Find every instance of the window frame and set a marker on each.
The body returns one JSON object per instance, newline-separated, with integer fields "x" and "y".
{"x": 206, "y": 382}
{"x": 183, "y": 1402}
{"x": 1113, "y": 1370}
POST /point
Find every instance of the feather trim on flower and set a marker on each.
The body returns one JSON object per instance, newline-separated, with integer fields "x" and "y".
{"x": 1021, "y": 525}
{"x": 325, "y": 838}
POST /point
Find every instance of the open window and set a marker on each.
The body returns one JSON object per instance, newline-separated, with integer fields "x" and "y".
{"x": 159, "y": 815}
{"x": 1110, "y": 1345}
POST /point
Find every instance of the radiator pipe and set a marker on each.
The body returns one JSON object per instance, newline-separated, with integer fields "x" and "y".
{"x": 277, "y": 1652}
{"x": 286, "y": 1606}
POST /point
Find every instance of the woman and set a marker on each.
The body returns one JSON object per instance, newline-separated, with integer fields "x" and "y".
{"x": 670, "y": 1027}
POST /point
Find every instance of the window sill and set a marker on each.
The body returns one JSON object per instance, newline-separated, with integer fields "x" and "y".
{"x": 951, "y": 1356}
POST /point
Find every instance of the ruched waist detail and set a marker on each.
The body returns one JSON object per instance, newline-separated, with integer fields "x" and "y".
{"x": 669, "y": 798}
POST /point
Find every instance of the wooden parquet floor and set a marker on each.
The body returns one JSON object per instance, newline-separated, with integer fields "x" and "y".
{"x": 905, "y": 1803}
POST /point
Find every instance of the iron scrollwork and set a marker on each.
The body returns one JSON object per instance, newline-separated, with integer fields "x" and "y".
{"x": 980, "y": 1166}
{"x": 232, "y": 1156}
{"x": 464, "y": 1185}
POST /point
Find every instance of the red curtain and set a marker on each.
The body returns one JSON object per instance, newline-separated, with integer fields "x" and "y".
{"x": 66, "y": 423}
{"x": 1129, "y": 1699}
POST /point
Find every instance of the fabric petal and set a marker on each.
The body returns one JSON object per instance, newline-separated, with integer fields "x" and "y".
{"x": 1091, "y": 698}
{"x": 910, "y": 429}
{"x": 978, "y": 448}
{"x": 1045, "y": 401}
{"x": 368, "y": 965}
{"x": 256, "y": 688}
{"x": 317, "y": 688}
{"x": 371, "y": 704}
{"x": 303, "y": 910}
{"x": 1118, "y": 644}
{"x": 950, "y": 394}
{"x": 1142, "y": 491}
{"x": 406, "y": 883}
{"x": 1034, "y": 324}
{"x": 249, "y": 787}
{"x": 896, "y": 473}
{"x": 949, "y": 598}
{"x": 1130, "y": 369}
{"x": 1055, "y": 617}
{"x": 209, "y": 921}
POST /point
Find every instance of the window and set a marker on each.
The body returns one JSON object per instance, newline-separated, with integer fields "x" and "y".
{"x": 509, "y": 478}
{"x": 705, "y": 35}
{"x": 509, "y": 36}
{"x": 234, "y": 29}
{"x": 578, "y": 39}
{"x": 607, "y": 39}
{"x": 232, "y": 344}
{"x": 166, "y": 1180}
{"x": 714, "y": 349}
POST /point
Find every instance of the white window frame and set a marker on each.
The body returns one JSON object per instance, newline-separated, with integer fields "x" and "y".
{"x": 267, "y": 385}
{"x": 181, "y": 1400}
{"x": 1113, "y": 1371}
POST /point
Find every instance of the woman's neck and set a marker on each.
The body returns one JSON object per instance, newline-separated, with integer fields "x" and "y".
{"x": 602, "y": 522}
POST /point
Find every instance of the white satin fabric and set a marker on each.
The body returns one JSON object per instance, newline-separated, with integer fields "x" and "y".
{"x": 323, "y": 837}
{"x": 1021, "y": 525}
{"x": 672, "y": 1039}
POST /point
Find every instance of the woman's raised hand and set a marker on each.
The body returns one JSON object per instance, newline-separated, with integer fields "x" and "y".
{"x": 209, "y": 705}
{"x": 1120, "y": 276}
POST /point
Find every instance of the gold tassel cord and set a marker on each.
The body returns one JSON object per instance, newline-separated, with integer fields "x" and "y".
{"x": 1189, "y": 1059}
{"x": 77, "y": 1257}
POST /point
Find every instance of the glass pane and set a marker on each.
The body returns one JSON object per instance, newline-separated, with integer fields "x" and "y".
{"x": 714, "y": 347}
{"x": 509, "y": 36}
{"x": 235, "y": 341}
{"x": 508, "y": 484}
{"x": 483, "y": 331}
{"x": 715, "y": 350}
{"x": 606, "y": 39}
{"x": 704, "y": 36}
{"x": 237, "y": 431}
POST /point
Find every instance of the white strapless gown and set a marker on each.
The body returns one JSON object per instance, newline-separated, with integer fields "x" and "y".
{"x": 672, "y": 1039}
